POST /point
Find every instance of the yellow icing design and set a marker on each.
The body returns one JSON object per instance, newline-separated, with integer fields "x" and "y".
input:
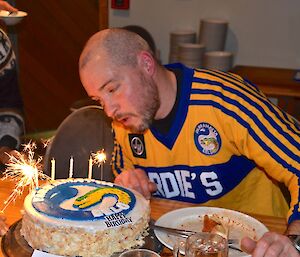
{"x": 96, "y": 196}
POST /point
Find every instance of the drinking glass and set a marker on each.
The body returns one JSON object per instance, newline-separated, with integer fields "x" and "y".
{"x": 204, "y": 245}
{"x": 139, "y": 253}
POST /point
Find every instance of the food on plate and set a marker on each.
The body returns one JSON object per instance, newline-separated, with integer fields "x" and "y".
{"x": 84, "y": 217}
{"x": 213, "y": 225}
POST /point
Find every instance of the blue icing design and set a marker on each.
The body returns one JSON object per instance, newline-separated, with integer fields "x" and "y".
{"x": 63, "y": 201}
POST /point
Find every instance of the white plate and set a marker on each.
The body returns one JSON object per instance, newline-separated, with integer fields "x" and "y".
{"x": 240, "y": 224}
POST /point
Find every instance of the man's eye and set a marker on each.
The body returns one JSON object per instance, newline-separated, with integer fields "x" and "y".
{"x": 112, "y": 89}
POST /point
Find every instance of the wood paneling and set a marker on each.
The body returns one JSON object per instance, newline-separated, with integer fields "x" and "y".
{"x": 50, "y": 40}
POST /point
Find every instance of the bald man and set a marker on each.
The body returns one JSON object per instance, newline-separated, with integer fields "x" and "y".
{"x": 198, "y": 136}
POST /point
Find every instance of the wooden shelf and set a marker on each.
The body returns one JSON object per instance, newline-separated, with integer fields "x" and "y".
{"x": 272, "y": 81}
{"x": 276, "y": 83}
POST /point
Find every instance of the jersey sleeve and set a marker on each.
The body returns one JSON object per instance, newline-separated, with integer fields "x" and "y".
{"x": 120, "y": 161}
{"x": 11, "y": 105}
{"x": 10, "y": 96}
{"x": 271, "y": 138}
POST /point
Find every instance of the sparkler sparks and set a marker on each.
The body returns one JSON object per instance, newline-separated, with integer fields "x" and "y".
{"x": 46, "y": 142}
{"x": 25, "y": 170}
{"x": 99, "y": 157}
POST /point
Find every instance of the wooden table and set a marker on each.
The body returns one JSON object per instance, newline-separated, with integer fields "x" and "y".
{"x": 158, "y": 208}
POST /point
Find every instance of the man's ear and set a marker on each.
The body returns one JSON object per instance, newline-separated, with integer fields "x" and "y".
{"x": 146, "y": 62}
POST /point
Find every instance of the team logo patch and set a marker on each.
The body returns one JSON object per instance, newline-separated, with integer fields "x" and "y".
{"x": 137, "y": 145}
{"x": 207, "y": 139}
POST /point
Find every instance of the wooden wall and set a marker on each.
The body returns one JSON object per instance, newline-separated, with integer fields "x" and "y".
{"x": 50, "y": 40}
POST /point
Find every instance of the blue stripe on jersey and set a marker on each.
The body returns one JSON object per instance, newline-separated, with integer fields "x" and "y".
{"x": 295, "y": 214}
{"x": 169, "y": 139}
{"x": 254, "y": 93}
{"x": 240, "y": 80}
{"x": 250, "y": 102}
{"x": 283, "y": 113}
{"x": 251, "y": 132}
{"x": 199, "y": 184}
{"x": 118, "y": 164}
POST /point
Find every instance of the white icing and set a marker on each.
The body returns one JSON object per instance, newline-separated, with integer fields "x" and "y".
{"x": 141, "y": 207}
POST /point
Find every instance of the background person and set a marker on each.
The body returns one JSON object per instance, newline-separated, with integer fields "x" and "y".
{"x": 11, "y": 118}
{"x": 11, "y": 105}
{"x": 199, "y": 136}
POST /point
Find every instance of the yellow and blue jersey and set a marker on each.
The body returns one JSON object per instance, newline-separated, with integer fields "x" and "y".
{"x": 226, "y": 147}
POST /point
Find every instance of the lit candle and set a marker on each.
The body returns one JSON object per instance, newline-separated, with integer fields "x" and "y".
{"x": 36, "y": 172}
{"x": 71, "y": 167}
{"x": 53, "y": 169}
{"x": 90, "y": 168}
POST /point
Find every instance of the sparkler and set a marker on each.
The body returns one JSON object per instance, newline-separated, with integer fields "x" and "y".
{"x": 99, "y": 158}
{"x": 46, "y": 142}
{"x": 25, "y": 170}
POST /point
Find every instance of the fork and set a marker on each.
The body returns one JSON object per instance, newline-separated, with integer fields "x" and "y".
{"x": 184, "y": 233}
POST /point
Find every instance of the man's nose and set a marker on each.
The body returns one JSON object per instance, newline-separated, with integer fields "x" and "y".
{"x": 110, "y": 109}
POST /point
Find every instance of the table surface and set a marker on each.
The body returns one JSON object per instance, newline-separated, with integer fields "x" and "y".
{"x": 158, "y": 208}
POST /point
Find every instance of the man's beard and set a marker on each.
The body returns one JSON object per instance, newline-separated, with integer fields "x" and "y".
{"x": 149, "y": 106}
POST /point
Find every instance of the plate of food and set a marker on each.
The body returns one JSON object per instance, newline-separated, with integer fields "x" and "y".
{"x": 233, "y": 224}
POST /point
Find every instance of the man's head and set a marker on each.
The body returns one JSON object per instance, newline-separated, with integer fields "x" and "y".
{"x": 116, "y": 68}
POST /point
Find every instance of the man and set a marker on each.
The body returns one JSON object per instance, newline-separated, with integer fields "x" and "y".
{"x": 11, "y": 120}
{"x": 195, "y": 135}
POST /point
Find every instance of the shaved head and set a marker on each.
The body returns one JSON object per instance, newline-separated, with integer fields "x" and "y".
{"x": 120, "y": 45}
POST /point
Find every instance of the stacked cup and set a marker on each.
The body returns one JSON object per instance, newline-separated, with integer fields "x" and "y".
{"x": 213, "y": 34}
{"x": 218, "y": 60}
{"x": 177, "y": 38}
{"x": 191, "y": 54}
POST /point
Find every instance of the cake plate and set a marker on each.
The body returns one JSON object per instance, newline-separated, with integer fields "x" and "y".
{"x": 13, "y": 243}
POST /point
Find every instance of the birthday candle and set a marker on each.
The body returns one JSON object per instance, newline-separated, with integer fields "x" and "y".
{"x": 90, "y": 168}
{"x": 53, "y": 169}
{"x": 36, "y": 172}
{"x": 71, "y": 167}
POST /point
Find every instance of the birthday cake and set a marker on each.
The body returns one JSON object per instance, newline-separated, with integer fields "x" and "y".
{"x": 82, "y": 217}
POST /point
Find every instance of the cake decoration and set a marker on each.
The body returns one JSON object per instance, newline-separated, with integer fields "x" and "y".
{"x": 83, "y": 200}
{"x": 84, "y": 217}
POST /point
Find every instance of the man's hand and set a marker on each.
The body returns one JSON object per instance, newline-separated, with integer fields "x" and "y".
{"x": 271, "y": 244}
{"x": 293, "y": 228}
{"x": 136, "y": 179}
{"x": 3, "y": 225}
{"x": 7, "y": 7}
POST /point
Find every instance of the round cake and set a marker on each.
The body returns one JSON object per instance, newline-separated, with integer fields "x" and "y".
{"x": 82, "y": 217}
